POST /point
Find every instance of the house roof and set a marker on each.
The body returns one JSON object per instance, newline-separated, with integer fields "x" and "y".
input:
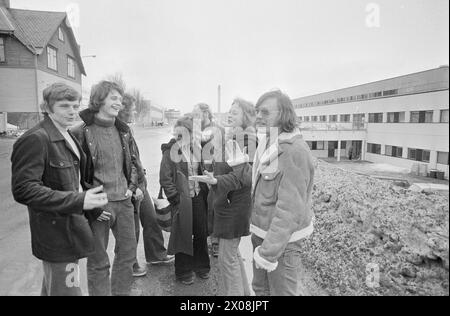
{"x": 6, "y": 26}
{"x": 36, "y": 28}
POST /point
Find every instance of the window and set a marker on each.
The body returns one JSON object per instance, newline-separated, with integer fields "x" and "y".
{"x": 343, "y": 145}
{"x": 71, "y": 67}
{"x": 300, "y": 119}
{"x": 374, "y": 148}
{"x": 394, "y": 151}
{"x": 345, "y": 118}
{"x": 60, "y": 34}
{"x": 323, "y": 118}
{"x": 362, "y": 97}
{"x": 306, "y": 118}
{"x": 421, "y": 117}
{"x": 358, "y": 117}
{"x": 442, "y": 158}
{"x": 376, "y": 94}
{"x": 444, "y": 113}
{"x": 52, "y": 58}
{"x": 333, "y": 118}
{"x": 316, "y": 145}
{"x": 314, "y": 118}
{"x": 2, "y": 50}
{"x": 375, "y": 117}
{"x": 320, "y": 145}
{"x": 390, "y": 92}
{"x": 396, "y": 117}
{"x": 419, "y": 155}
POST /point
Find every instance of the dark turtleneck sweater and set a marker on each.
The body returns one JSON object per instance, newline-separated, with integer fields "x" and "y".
{"x": 110, "y": 159}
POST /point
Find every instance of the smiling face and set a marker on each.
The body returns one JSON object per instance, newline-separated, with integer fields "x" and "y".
{"x": 236, "y": 116}
{"x": 64, "y": 113}
{"x": 112, "y": 105}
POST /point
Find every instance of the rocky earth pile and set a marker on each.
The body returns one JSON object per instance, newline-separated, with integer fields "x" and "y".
{"x": 374, "y": 238}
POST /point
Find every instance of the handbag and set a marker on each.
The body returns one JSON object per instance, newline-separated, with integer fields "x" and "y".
{"x": 80, "y": 235}
{"x": 164, "y": 212}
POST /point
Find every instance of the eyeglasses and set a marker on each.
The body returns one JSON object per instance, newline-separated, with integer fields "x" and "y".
{"x": 264, "y": 112}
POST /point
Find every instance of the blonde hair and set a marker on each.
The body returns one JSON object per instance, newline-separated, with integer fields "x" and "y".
{"x": 248, "y": 109}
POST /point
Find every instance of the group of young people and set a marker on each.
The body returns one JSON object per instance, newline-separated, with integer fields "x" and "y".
{"x": 79, "y": 182}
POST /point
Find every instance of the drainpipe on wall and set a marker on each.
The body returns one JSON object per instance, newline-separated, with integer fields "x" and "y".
{"x": 37, "y": 86}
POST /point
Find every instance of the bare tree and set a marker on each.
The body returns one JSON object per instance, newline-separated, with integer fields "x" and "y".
{"x": 118, "y": 78}
{"x": 142, "y": 107}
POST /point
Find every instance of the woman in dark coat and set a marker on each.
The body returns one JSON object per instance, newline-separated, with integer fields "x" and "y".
{"x": 232, "y": 209}
{"x": 188, "y": 239}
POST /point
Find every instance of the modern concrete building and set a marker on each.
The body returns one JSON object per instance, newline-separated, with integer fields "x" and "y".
{"x": 172, "y": 115}
{"x": 37, "y": 48}
{"x": 402, "y": 121}
{"x": 154, "y": 116}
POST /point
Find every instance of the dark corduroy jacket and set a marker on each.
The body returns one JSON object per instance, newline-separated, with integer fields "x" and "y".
{"x": 45, "y": 177}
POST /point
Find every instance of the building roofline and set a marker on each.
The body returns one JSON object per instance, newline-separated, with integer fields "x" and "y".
{"x": 372, "y": 82}
{"x": 40, "y": 11}
{"x": 8, "y": 21}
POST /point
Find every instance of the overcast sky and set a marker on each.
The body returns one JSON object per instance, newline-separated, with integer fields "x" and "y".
{"x": 177, "y": 52}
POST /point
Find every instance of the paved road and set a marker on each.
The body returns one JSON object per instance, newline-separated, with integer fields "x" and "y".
{"x": 21, "y": 273}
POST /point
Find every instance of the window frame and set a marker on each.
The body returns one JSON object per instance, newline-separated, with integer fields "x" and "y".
{"x": 48, "y": 57}
{"x": 374, "y": 149}
{"x": 438, "y": 160}
{"x": 422, "y": 117}
{"x": 61, "y": 35}
{"x": 322, "y": 147}
{"x": 345, "y": 116}
{"x": 419, "y": 154}
{"x": 3, "y": 49}
{"x": 395, "y": 151}
{"x": 333, "y": 118}
{"x": 440, "y": 117}
{"x": 375, "y": 118}
{"x": 70, "y": 58}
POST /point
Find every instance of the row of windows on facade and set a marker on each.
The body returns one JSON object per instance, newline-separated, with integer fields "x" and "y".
{"x": 392, "y": 117}
{"x": 392, "y": 151}
{"x": 413, "y": 153}
{"x": 359, "y": 97}
{"x": 52, "y": 56}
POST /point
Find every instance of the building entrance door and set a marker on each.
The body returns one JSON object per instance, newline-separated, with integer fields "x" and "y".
{"x": 332, "y": 146}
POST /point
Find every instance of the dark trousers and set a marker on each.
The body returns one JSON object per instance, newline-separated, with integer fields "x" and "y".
{"x": 186, "y": 264}
{"x": 98, "y": 264}
{"x": 151, "y": 232}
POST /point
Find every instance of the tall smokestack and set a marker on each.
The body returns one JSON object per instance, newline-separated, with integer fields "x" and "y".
{"x": 5, "y": 3}
{"x": 219, "y": 98}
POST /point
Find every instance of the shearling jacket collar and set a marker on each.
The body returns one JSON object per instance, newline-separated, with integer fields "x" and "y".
{"x": 88, "y": 117}
{"x": 52, "y": 131}
{"x": 265, "y": 157}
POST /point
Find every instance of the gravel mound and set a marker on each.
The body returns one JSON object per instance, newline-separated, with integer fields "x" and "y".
{"x": 374, "y": 238}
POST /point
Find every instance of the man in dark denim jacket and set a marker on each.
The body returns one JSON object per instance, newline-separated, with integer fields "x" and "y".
{"x": 48, "y": 177}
